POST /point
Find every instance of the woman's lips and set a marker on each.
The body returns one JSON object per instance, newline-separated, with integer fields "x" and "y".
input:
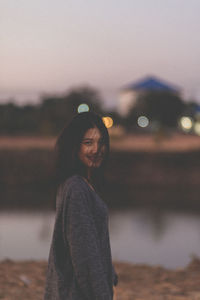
{"x": 94, "y": 158}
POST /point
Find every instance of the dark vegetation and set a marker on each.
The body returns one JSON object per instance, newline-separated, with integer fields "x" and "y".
{"x": 50, "y": 116}
{"x": 162, "y": 108}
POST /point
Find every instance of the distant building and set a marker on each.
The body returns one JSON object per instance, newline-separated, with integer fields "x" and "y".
{"x": 130, "y": 92}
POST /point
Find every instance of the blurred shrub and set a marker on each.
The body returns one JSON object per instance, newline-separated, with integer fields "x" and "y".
{"x": 160, "y": 107}
{"x": 50, "y": 116}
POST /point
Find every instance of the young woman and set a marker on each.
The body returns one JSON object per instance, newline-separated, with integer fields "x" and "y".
{"x": 80, "y": 262}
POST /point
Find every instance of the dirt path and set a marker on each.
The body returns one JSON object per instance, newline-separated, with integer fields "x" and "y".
{"x": 25, "y": 281}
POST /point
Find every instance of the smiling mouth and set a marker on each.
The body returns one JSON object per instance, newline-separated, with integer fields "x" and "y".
{"x": 95, "y": 158}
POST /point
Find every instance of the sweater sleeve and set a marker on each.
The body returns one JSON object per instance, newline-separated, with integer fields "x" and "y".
{"x": 82, "y": 236}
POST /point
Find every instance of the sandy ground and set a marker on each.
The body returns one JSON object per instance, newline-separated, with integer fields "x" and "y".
{"x": 175, "y": 142}
{"x": 25, "y": 281}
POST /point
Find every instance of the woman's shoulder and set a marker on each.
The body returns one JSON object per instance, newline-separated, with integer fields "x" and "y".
{"x": 75, "y": 187}
{"x": 73, "y": 179}
{"x": 73, "y": 182}
{"x": 72, "y": 185}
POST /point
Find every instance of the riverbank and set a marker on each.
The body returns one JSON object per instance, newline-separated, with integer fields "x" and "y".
{"x": 135, "y": 160}
{"x": 26, "y": 279}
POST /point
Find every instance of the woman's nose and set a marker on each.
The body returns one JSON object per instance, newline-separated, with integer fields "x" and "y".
{"x": 95, "y": 148}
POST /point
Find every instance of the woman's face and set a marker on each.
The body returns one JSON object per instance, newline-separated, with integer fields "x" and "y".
{"x": 92, "y": 151}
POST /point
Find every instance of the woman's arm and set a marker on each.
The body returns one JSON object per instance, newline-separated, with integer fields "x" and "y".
{"x": 82, "y": 237}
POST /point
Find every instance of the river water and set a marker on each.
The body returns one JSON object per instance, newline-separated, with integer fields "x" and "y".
{"x": 138, "y": 235}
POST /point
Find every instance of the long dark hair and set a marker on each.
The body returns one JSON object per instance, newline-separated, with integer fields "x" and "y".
{"x": 68, "y": 144}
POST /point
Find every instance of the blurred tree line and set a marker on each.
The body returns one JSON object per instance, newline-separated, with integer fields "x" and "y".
{"x": 49, "y": 117}
{"x": 162, "y": 108}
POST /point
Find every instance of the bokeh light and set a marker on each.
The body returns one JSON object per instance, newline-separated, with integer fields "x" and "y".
{"x": 143, "y": 121}
{"x": 108, "y": 121}
{"x": 186, "y": 123}
{"x": 83, "y": 108}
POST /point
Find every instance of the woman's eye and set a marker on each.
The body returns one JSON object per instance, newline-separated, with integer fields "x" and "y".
{"x": 87, "y": 143}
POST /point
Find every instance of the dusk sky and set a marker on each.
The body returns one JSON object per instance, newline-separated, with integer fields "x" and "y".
{"x": 51, "y": 46}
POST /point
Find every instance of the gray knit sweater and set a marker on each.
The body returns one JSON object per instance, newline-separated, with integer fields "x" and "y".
{"x": 80, "y": 263}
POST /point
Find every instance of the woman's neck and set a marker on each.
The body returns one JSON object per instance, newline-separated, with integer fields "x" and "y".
{"x": 89, "y": 174}
{"x": 88, "y": 182}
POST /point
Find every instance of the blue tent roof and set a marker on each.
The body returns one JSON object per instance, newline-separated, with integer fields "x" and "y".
{"x": 151, "y": 83}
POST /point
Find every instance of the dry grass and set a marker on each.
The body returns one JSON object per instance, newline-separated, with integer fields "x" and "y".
{"x": 176, "y": 142}
{"x": 148, "y": 143}
{"x": 20, "y": 142}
